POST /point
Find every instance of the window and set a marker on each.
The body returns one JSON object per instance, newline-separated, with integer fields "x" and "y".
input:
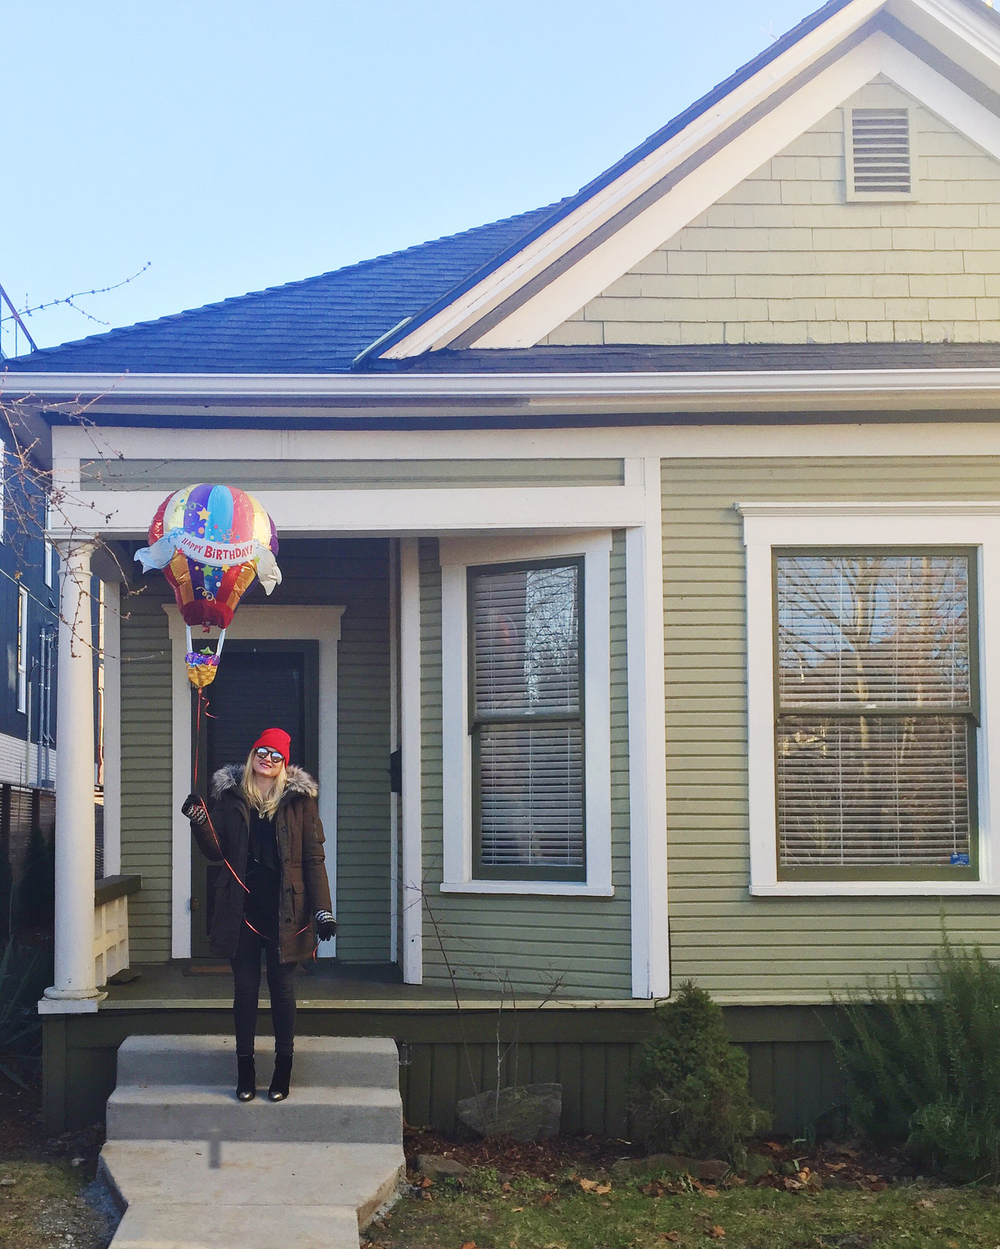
{"x": 526, "y": 721}
{"x": 22, "y": 648}
{"x": 879, "y": 144}
{"x": 876, "y": 713}
{"x": 48, "y": 562}
{"x": 526, "y": 714}
{"x": 873, "y": 672}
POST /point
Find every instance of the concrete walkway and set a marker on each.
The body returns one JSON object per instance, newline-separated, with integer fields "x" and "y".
{"x": 198, "y": 1170}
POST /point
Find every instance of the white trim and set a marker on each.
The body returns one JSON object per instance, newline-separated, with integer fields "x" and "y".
{"x": 321, "y": 624}
{"x": 410, "y": 744}
{"x": 112, "y": 664}
{"x": 23, "y": 656}
{"x": 762, "y": 390}
{"x": 766, "y": 525}
{"x": 356, "y": 512}
{"x": 457, "y": 555}
{"x": 647, "y": 745}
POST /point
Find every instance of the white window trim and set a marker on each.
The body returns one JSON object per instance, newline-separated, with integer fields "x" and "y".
{"x": 457, "y": 555}
{"x": 769, "y": 525}
{"x": 22, "y": 650}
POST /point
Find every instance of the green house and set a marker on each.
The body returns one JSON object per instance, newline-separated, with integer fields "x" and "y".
{"x": 640, "y": 612}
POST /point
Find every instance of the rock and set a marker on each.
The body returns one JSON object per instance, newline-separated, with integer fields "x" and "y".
{"x": 756, "y": 1166}
{"x": 435, "y": 1167}
{"x": 525, "y": 1112}
{"x": 712, "y": 1169}
{"x": 7, "y": 1181}
{"x": 656, "y": 1164}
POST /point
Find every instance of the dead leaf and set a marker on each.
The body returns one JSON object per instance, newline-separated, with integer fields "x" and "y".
{"x": 426, "y": 1182}
{"x": 594, "y": 1186}
{"x": 505, "y": 1188}
{"x": 469, "y": 1244}
{"x": 716, "y": 1233}
{"x": 673, "y": 1237}
{"x": 516, "y": 1209}
{"x": 545, "y": 1199}
{"x": 924, "y": 1203}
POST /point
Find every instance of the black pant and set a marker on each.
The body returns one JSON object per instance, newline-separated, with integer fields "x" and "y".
{"x": 246, "y": 989}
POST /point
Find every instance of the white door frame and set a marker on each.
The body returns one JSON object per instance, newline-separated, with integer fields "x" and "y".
{"x": 293, "y": 624}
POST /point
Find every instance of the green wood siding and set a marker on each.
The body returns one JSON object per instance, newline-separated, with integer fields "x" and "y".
{"x": 769, "y": 949}
{"x": 581, "y": 945}
{"x": 319, "y": 474}
{"x": 147, "y": 752}
{"x": 354, "y": 574}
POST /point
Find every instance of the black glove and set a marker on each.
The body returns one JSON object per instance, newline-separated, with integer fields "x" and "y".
{"x": 194, "y": 810}
{"x": 326, "y": 926}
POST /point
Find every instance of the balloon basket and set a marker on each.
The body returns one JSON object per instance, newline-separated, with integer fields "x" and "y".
{"x": 201, "y": 668}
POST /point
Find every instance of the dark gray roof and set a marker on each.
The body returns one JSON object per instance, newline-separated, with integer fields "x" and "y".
{"x": 317, "y": 325}
{"x": 742, "y": 357}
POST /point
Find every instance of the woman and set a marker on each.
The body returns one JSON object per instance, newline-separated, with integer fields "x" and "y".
{"x": 272, "y": 895}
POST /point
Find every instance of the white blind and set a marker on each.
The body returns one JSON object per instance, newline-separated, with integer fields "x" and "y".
{"x": 527, "y": 716}
{"x": 873, "y": 631}
{"x": 885, "y": 643}
{"x": 875, "y": 791}
{"x": 880, "y": 142}
{"x": 531, "y": 794}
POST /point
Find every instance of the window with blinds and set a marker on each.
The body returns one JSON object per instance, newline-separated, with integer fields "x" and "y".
{"x": 876, "y": 700}
{"x": 526, "y": 720}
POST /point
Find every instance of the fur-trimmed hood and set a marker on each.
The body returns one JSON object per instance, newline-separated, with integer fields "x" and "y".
{"x": 298, "y": 782}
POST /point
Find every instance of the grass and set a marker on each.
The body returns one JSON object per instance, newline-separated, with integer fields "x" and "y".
{"x": 535, "y": 1214}
{"x": 41, "y": 1206}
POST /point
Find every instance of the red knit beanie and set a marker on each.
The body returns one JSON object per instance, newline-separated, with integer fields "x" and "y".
{"x": 275, "y": 739}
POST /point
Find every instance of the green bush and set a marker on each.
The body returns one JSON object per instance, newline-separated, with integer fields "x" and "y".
{"x": 923, "y": 1066}
{"x": 691, "y": 1091}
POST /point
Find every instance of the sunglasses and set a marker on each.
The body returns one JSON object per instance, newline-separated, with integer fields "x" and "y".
{"x": 263, "y": 753}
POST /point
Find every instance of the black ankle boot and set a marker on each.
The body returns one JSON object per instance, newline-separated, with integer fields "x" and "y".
{"x": 282, "y": 1075}
{"x": 246, "y": 1079}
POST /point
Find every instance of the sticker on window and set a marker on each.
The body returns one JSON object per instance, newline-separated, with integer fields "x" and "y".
{"x": 960, "y": 860}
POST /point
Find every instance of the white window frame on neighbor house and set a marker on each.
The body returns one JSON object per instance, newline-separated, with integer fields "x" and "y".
{"x": 457, "y": 556}
{"x": 22, "y": 649}
{"x": 866, "y": 525}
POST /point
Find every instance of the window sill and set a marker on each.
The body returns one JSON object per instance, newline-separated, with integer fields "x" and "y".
{"x": 544, "y": 888}
{"x": 875, "y": 889}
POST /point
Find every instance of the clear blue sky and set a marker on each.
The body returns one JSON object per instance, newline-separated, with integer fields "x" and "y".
{"x": 237, "y": 144}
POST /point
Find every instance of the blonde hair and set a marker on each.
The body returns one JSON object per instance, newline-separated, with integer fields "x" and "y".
{"x": 264, "y": 804}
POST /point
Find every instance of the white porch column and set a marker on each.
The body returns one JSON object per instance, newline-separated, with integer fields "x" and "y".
{"x": 75, "y": 988}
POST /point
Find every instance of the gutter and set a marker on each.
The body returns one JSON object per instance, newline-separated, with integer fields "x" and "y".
{"x": 764, "y": 391}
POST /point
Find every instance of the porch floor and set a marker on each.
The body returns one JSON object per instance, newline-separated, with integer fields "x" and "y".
{"x": 323, "y": 985}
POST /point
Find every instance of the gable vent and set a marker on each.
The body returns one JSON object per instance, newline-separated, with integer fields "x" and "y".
{"x": 880, "y": 154}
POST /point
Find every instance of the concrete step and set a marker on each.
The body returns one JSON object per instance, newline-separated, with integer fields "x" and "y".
{"x": 361, "y": 1062}
{"x": 147, "y": 1226}
{"x": 186, "y": 1112}
{"x": 241, "y": 1178}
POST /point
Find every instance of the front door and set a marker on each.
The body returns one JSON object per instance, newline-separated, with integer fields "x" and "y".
{"x": 260, "y": 685}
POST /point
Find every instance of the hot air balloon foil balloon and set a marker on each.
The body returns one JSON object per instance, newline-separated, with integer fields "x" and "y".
{"x": 210, "y": 542}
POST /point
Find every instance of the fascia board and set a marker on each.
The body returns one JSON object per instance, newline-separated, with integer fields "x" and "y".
{"x": 760, "y": 390}
{"x": 570, "y": 290}
{"x": 966, "y": 36}
{"x": 444, "y": 327}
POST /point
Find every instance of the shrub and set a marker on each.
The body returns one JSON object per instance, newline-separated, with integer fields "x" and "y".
{"x": 690, "y": 1092}
{"x": 923, "y": 1067}
{"x": 24, "y": 973}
